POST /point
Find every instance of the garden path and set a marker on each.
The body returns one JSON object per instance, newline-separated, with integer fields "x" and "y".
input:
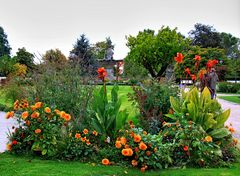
{"x": 234, "y": 119}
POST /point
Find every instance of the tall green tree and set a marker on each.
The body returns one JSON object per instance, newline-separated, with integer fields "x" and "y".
{"x": 100, "y": 48}
{"x": 205, "y": 36}
{"x": 83, "y": 55}
{"x": 155, "y": 51}
{"x": 5, "y": 49}
{"x": 230, "y": 44}
{"x": 6, "y": 65}
{"x": 25, "y": 57}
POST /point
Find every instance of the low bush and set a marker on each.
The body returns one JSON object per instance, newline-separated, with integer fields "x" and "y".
{"x": 226, "y": 87}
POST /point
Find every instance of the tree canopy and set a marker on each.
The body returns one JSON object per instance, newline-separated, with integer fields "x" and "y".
{"x": 100, "y": 48}
{"x": 5, "y": 49}
{"x": 155, "y": 51}
{"x": 24, "y": 57}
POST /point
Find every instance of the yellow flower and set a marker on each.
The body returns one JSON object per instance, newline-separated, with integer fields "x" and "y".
{"x": 47, "y": 110}
{"x": 208, "y": 139}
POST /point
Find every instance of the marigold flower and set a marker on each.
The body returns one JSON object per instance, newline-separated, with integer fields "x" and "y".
{"x": 37, "y": 131}
{"x": 137, "y": 138}
{"x": 47, "y": 110}
{"x": 144, "y": 132}
{"x": 185, "y": 148}
{"x": 142, "y": 146}
{"x": 9, "y": 114}
{"x": 123, "y": 140}
{"x": 134, "y": 163}
{"x": 14, "y": 142}
{"x": 148, "y": 153}
{"x": 235, "y": 141}
{"x": 38, "y": 105}
{"x": 102, "y": 73}
{"x": 88, "y": 142}
{"x": 9, "y": 147}
{"x": 127, "y": 152}
{"x": 83, "y": 139}
{"x": 27, "y": 122}
{"x": 105, "y": 161}
{"x": 197, "y": 58}
{"x": 118, "y": 144}
{"x": 24, "y": 115}
{"x": 130, "y": 152}
{"x": 231, "y": 129}
{"x": 35, "y": 115}
{"x": 85, "y": 131}
{"x": 67, "y": 117}
{"x": 57, "y": 112}
{"x": 77, "y": 136}
{"x": 187, "y": 70}
{"x": 33, "y": 108}
{"x": 208, "y": 139}
{"x": 179, "y": 58}
{"x": 95, "y": 133}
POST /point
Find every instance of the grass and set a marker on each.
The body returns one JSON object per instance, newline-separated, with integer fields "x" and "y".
{"x": 234, "y": 99}
{"x": 21, "y": 166}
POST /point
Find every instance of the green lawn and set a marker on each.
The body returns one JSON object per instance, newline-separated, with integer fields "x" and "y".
{"x": 234, "y": 99}
{"x": 19, "y": 166}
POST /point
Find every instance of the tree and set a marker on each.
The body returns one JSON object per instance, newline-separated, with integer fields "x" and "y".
{"x": 155, "y": 51}
{"x": 205, "y": 36}
{"x": 24, "y": 57}
{"x": 5, "y": 49}
{"x": 6, "y": 65}
{"x": 100, "y": 48}
{"x": 54, "y": 57}
{"x": 230, "y": 44}
{"x": 82, "y": 55}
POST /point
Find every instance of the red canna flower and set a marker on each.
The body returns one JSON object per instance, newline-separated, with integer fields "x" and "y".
{"x": 193, "y": 77}
{"x": 187, "y": 70}
{"x": 185, "y": 148}
{"x": 14, "y": 142}
{"x": 201, "y": 73}
{"x": 197, "y": 58}
{"x": 179, "y": 58}
{"x": 102, "y": 73}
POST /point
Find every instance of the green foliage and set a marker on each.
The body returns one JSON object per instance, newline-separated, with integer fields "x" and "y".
{"x": 5, "y": 49}
{"x": 201, "y": 109}
{"x": 153, "y": 102}
{"x": 226, "y": 87}
{"x": 100, "y": 48}
{"x": 54, "y": 57}
{"x": 234, "y": 99}
{"x": 107, "y": 117}
{"x": 155, "y": 52}
{"x": 6, "y": 65}
{"x": 24, "y": 57}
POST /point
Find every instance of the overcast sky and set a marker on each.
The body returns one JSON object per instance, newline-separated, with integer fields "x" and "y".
{"x": 40, "y": 25}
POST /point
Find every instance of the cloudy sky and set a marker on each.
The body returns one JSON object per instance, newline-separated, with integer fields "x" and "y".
{"x": 40, "y": 25}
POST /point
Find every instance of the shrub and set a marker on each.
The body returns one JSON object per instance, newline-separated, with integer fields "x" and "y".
{"x": 226, "y": 87}
{"x": 153, "y": 102}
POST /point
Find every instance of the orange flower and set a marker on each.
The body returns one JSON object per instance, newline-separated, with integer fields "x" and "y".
{"x": 57, "y": 112}
{"x": 208, "y": 139}
{"x": 95, "y": 133}
{"x": 9, "y": 147}
{"x": 105, "y": 161}
{"x": 35, "y": 114}
{"x": 148, "y": 153}
{"x": 143, "y": 169}
{"x": 33, "y": 108}
{"x": 37, "y": 131}
{"x": 142, "y": 146}
{"x": 130, "y": 152}
{"x": 118, "y": 144}
{"x": 102, "y": 73}
{"x": 179, "y": 58}
{"x": 123, "y": 140}
{"x": 144, "y": 132}
{"x": 127, "y": 152}
{"x": 235, "y": 141}
{"x": 193, "y": 77}
{"x": 134, "y": 163}
{"x": 9, "y": 114}
{"x": 67, "y": 117}
{"x": 77, "y": 136}
{"x": 185, "y": 148}
{"x": 137, "y": 138}
{"x": 187, "y": 70}
{"x": 83, "y": 139}
{"x": 38, "y": 105}
{"x": 155, "y": 149}
{"x": 47, "y": 110}
{"x": 88, "y": 142}
{"x": 25, "y": 115}
{"x": 197, "y": 58}
{"x": 16, "y": 104}
{"x": 28, "y": 122}
{"x": 201, "y": 73}
{"x": 85, "y": 131}
{"x": 231, "y": 129}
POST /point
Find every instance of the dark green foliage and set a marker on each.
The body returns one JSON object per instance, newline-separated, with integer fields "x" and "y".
{"x": 226, "y": 87}
{"x": 6, "y": 65}
{"x": 205, "y": 36}
{"x": 24, "y": 57}
{"x": 5, "y": 49}
{"x": 100, "y": 48}
{"x": 155, "y": 52}
{"x": 153, "y": 102}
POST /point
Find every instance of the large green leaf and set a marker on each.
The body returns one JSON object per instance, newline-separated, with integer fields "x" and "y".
{"x": 222, "y": 118}
{"x": 219, "y": 133}
{"x": 175, "y": 104}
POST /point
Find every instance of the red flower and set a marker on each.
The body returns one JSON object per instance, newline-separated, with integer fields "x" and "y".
{"x": 197, "y": 58}
{"x": 179, "y": 58}
{"x": 211, "y": 63}
{"x": 193, "y": 77}
{"x": 187, "y": 70}
{"x": 14, "y": 142}
{"x": 102, "y": 73}
{"x": 201, "y": 73}
{"x": 185, "y": 148}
